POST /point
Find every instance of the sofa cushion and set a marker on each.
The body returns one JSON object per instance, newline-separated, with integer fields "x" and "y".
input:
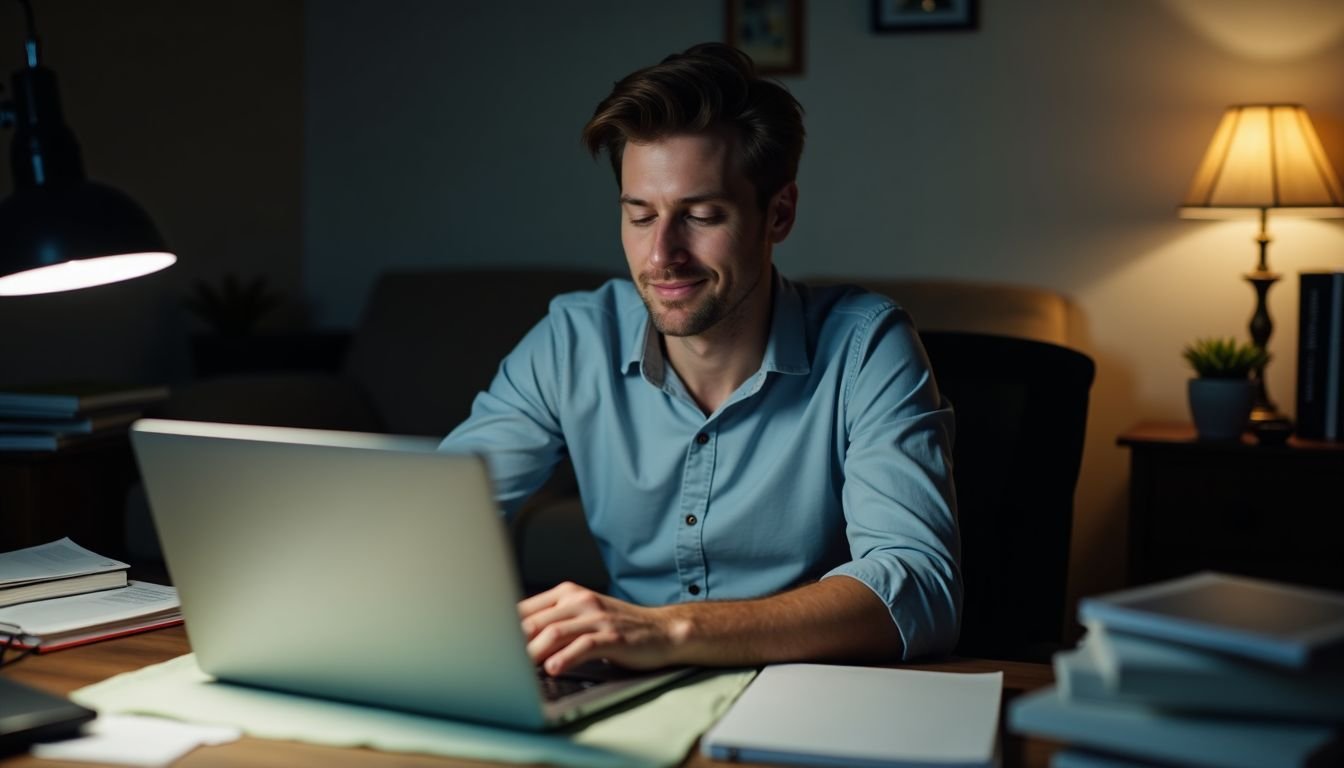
{"x": 430, "y": 340}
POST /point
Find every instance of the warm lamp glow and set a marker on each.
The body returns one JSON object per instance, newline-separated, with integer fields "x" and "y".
{"x": 1264, "y": 156}
{"x": 84, "y": 273}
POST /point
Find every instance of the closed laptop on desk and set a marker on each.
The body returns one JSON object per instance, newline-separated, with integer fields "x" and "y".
{"x": 366, "y": 568}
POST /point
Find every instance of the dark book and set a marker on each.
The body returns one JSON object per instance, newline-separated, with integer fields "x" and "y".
{"x": 93, "y": 423}
{"x": 1120, "y": 668}
{"x": 71, "y": 399}
{"x": 1278, "y": 624}
{"x": 28, "y": 715}
{"x": 1320, "y": 356}
{"x": 15, "y": 442}
{"x": 72, "y": 585}
{"x": 56, "y": 569}
{"x": 1146, "y": 735}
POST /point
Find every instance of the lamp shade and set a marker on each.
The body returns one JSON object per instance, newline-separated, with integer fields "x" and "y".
{"x": 1264, "y": 156}
{"x": 68, "y": 236}
{"x": 59, "y": 231}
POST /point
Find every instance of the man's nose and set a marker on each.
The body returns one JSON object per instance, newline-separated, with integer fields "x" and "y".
{"x": 669, "y": 244}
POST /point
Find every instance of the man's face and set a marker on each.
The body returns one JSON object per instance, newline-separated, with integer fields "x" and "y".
{"x": 696, "y": 241}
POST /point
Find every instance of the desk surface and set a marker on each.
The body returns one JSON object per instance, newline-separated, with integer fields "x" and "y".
{"x": 65, "y": 671}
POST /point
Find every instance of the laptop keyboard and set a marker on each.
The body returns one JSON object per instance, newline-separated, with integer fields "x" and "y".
{"x": 581, "y": 678}
{"x": 555, "y": 688}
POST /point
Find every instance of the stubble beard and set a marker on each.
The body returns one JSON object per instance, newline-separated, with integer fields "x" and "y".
{"x": 703, "y": 312}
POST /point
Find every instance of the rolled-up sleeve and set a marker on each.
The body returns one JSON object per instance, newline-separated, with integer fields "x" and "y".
{"x": 898, "y": 497}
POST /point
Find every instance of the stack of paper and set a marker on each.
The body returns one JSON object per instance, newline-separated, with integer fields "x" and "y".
{"x": 1207, "y": 670}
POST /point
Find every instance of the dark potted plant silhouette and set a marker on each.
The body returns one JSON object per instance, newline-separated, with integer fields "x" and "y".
{"x": 1222, "y": 393}
{"x": 235, "y": 306}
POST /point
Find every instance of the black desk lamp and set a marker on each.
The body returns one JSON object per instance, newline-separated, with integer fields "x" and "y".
{"x": 59, "y": 231}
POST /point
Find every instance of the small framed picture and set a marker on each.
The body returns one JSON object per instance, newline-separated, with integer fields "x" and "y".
{"x": 923, "y": 15}
{"x": 769, "y": 31}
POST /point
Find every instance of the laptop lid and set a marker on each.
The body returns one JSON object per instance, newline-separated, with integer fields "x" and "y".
{"x": 367, "y": 568}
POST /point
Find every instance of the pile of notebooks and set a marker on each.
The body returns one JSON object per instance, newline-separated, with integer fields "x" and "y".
{"x": 51, "y": 417}
{"x": 1205, "y": 670}
{"x": 60, "y": 594}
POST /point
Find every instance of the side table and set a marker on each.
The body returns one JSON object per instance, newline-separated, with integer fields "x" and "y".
{"x": 78, "y": 491}
{"x": 1270, "y": 511}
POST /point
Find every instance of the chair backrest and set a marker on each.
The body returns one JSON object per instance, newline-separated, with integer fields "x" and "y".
{"x": 430, "y": 340}
{"x": 1024, "y": 311}
{"x": 1021, "y": 414}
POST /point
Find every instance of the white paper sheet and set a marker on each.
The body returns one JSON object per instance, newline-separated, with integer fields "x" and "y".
{"x": 135, "y": 740}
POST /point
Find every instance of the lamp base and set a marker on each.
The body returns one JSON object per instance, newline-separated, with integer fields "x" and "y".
{"x": 1268, "y": 425}
{"x": 1262, "y": 408}
{"x": 1264, "y": 413}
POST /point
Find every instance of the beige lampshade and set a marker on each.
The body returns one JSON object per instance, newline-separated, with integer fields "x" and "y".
{"x": 1264, "y": 156}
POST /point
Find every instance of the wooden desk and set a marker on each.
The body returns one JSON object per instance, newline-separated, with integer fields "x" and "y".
{"x": 65, "y": 671}
{"x": 1273, "y": 511}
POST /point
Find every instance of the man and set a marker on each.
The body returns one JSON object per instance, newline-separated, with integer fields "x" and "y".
{"x": 765, "y": 467}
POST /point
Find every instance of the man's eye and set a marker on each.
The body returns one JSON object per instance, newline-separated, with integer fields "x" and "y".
{"x": 641, "y": 221}
{"x": 705, "y": 220}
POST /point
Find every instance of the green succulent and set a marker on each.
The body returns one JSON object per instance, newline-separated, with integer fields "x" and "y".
{"x": 234, "y": 307}
{"x": 1224, "y": 358}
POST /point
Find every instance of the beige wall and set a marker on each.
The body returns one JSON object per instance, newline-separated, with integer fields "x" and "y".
{"x": 194, "y": 109}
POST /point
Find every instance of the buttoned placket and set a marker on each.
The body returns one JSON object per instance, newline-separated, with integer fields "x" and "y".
{"x": 697, "y": 483}
{"x": 697, "y": 488}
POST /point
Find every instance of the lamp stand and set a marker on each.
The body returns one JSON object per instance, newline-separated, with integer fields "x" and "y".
{"x": 1262, "y": 409}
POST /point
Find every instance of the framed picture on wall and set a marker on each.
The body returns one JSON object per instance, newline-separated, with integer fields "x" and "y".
{"x": 923, "y": 15}
{"x": 769, "y": 31}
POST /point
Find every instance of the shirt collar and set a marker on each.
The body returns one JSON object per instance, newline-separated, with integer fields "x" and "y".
{"x": 785, "y": 349}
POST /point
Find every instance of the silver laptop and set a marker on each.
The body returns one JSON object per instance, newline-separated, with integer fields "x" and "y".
{"x": 360, "y": 567}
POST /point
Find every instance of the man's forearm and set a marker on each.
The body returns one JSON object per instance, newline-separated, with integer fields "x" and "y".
{"x": 836, "y": 619}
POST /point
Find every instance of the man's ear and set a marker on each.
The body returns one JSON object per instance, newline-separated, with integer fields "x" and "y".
{"x": 782, "y": 212}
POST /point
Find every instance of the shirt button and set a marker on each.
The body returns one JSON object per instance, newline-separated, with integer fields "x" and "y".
{"x": 694, "y": 589}
{"x": 701, "y": 438}
{"x": 690, "y": 520}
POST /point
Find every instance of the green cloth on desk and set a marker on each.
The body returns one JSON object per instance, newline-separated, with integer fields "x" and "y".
{"x": 657, "y": 732}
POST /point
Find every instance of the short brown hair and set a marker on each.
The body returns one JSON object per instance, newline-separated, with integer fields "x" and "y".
{"x": 709, "y": 86}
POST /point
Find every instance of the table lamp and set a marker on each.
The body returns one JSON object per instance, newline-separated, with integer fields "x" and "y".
{"x": 1264, "y": 156}
{"x": 59, "y": 231}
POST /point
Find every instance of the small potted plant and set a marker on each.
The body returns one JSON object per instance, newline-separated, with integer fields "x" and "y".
{"x": 233, "y": 310}
{"x": 234, "y": 307}
{"x": 1222, "y": 394}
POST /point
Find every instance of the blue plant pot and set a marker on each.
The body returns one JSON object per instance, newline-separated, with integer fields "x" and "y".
{"x": 1221, "y": 408}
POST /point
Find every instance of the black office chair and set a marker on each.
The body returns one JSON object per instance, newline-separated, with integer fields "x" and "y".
{"x": 1021, "y": 414}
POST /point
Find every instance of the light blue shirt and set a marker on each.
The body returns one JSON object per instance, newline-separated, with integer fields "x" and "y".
{"x": 833, "y": 459}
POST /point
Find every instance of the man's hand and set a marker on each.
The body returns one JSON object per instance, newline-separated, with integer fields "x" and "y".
{"x": 837, "y": 619}
{"x": 568, "y": 625}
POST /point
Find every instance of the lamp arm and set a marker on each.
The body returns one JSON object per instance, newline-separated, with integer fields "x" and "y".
{"x": 31, "y": 54}
{"x": 44, "y": 151}
{"x": 30, "y": 45}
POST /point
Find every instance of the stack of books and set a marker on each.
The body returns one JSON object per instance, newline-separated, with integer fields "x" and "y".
{"x": 1205, "y": 670}
{"x": 51, "y": 417}
{"x": 60, "y": 594}
{"x": 1320, "y": 356}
